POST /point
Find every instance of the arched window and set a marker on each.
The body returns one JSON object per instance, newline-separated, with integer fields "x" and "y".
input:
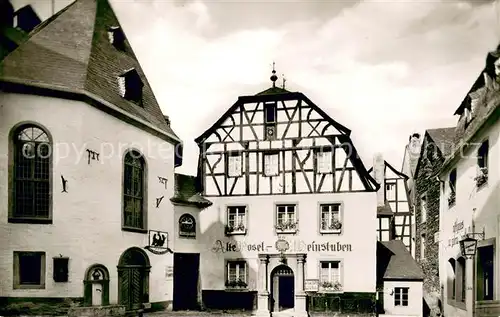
{"x": 451, "y": 279}
{"x": 187, "y": 226}
{"x": 31, "y": 170}
{"x": 134, "y": 198}
{"x": 462, "y": 276}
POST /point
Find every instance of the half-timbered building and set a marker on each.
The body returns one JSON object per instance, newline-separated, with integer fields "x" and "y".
{"x": 293, "y": 218}
{"x": 86, "y": 172}
{"x": 394, "y": 210}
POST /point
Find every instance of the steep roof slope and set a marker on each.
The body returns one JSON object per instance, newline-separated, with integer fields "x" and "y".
{"x": 394, "y": 262}
{"x": 443, "y": 138}
{"x": 70, "y": 52}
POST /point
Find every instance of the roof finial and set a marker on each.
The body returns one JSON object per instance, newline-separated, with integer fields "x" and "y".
{"x": 273, "y": 76}
{"x": 284, "y": 81}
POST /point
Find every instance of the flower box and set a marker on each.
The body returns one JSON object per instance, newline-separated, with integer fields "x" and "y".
{"x": 287, "y": 226}
{"x": 331, "y": 286}
{"x": 334, "y": 226}
{"x": 482, "y": 177}
{"x": 239, "y": 229}
{"x": 452, "y": 198}
{"x": 236, "y": 284}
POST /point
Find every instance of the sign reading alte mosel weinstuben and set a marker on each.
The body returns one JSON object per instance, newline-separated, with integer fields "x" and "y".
{"x": 222, "y": 246}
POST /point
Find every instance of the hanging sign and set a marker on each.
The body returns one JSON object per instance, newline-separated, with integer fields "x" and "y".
{"x": 158, "y": 242}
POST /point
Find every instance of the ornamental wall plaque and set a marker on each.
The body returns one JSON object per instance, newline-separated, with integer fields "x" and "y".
{"x": 282, "y": 245}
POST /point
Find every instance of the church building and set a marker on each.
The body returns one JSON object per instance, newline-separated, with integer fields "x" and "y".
{"x": 86, "y": 171}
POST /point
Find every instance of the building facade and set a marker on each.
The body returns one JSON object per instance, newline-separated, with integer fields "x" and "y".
{"x": 288, "y": 192}
{"x": 436, "y": 147}
{"x": 470, "y": 200}
{"x": 87, "y": 158}
{"x": 394, "y": 209}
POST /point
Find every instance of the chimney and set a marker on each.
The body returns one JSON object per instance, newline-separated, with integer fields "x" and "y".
{"x": 379, "y": 176}
{"x": 167, "y": 120}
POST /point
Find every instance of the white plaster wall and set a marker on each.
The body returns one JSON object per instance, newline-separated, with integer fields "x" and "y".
{"x": 485, "y": 200}
{"x": 184, "y": 244}
{"x": 86, "y": 220}
{"x": 359, "y": 230}
{"x": 415, "y": 295}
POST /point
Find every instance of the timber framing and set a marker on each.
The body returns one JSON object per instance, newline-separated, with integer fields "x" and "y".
{"x": 395, "y": 218}
{"x": 279, "y": 144}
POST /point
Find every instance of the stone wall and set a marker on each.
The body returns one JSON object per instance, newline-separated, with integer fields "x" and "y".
{"x": 427, "y": 184}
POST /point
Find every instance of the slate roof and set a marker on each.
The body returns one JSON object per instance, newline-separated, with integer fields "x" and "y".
{"x": 186, "y": 192}
{"x": 273, "y": 91}
{"x": 443, "y": 138}
{"x": 394, "y": 262}
{"x": 70, "y": 52}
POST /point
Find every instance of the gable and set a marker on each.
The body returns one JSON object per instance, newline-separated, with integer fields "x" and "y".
{"x": 286, "y": 122}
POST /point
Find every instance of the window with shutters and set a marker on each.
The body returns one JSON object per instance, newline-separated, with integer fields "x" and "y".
{"x": 271, "y": 164}
{"x": 237, "y": 274}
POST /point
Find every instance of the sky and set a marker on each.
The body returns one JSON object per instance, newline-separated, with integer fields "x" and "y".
{"x": 384, "y": 69}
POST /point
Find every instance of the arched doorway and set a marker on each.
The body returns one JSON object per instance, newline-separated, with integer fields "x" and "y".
{"x": 282, "y": 289}
{"x": 133, "y": 278}
{"x": 96, "y": 286}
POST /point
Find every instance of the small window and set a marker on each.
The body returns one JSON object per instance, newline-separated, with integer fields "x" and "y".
{"x": 60, "y": 267}
{"x": 187, "y": 226}
{"x": 29, "y": 270}
{"x": 452, "y": 183}
{"x": 330, "y": 275}
{"x": 422, "y": 247}
{"x": 286, "y": 218}
{"x": 234, "y": 166}
{"x": 423, "y": 209}
{"x": 330, "y": 218}
{"x": 130, "y": 86}
{"x": 270, "y": 112}
{"x": 324, "y": 161}
{"x": 116, "y": 37}
{"x": 482, "y": 163}
{"x": 237, "y": 274}
{"x": 401, "y": 296}
{"x": 271, "y": 164}
{"x": 236, "y": 220}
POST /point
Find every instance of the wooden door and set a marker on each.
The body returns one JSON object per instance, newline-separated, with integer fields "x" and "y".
{"x": 186, "y": 274}
{"x": 131, "y": 288}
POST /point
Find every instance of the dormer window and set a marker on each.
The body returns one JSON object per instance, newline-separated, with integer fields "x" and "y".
{"x": 130, "y": 86}
{"x": 116, "y": 37}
